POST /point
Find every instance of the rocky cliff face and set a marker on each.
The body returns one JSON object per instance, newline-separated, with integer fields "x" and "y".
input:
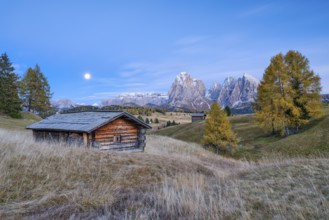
{"x": 234, "y": 92}
{"x": 225, "y": 94}
{"x": 188, "y": 93}
{"x": 238, "y": 92}
{"x": 214, "y": 92}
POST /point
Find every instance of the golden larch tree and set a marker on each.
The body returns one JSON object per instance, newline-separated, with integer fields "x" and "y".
{"x": 218, "y": 134}
{"x": 289, "y": 94}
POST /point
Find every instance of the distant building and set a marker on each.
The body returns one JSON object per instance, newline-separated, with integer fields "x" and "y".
{"x": 102, "y": 130}
{"x": 198, "y": 116}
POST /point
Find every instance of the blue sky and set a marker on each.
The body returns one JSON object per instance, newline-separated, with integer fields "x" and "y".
{"x": 140, "y": 46}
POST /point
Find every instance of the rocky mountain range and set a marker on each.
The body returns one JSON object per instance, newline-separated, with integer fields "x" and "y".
{"x": 138, "y": 99}
{"x": 234, "y": 92}
{"x": 187, "y": 93}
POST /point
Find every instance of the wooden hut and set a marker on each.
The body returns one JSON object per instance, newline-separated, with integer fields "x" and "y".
{"x": 198, "y": 116}
{"x": 103, "y": 130}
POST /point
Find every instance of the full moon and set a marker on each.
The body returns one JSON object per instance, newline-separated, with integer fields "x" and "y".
{"x": 87, "y": 76}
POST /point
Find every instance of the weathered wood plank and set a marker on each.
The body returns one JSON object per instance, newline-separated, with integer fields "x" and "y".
{"x": 112, "y": 142}
{"x": 123, "y": 134}
{"x": 125, "y": 129}
{"x": 122, "y": 139}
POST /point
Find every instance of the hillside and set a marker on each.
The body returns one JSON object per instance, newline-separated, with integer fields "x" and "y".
{"x": 254, "y": 144}
{"x": 171, "y": 180}
{"x": 28, "y": 118}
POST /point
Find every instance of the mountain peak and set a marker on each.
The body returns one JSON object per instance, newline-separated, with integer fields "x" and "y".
{"x": 183, "y": 77}
{"x": 229, "y": 80}
{"x": 188, "y": 93}
{"x": 215, "y": 85}
{"x": 238, "y": 92}
{"x": 250, "y": 78}
{"x": 214, "y": 91}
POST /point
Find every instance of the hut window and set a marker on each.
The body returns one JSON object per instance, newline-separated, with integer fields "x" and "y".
{"x": 117, "y": 139}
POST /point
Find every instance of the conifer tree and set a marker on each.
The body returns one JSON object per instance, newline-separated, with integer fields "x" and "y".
{"x": 228, "y": 111}
{"x": 147, "y": 121}
{"x": 35, "y": 92}
{"x": 140, "y": 118}
{"x": 306, "y": 85}
{"x": 9, "y": 101}
{"x": 288, "y": 95}
{"x": 218, "y": 133}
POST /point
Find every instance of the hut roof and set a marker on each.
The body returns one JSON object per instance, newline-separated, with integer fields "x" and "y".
{"x": 82, "y": 121}
{"x": 198, "y": 114}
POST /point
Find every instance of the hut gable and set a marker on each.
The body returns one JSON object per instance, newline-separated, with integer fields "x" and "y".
{"x": 103, "y": 130}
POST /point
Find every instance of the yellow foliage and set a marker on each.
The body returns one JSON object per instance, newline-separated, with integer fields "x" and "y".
{"x": 289, "y": 94}
{"x": 218, "y": 133}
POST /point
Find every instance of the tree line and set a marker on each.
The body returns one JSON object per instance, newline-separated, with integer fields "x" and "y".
{"x": 135, "y": 110}
{"x": 31, "y": 93}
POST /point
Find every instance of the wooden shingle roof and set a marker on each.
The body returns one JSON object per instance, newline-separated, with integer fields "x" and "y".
{"x": 82, "y": 121}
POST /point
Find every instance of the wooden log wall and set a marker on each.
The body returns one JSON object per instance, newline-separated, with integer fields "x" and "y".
{"x": 58, "y": 136}
{"x": 123, "y": 128}
{"x": 141, "y": 138}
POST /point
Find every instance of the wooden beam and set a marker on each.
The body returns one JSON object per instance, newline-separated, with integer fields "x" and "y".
{"x": 85, "y": 139}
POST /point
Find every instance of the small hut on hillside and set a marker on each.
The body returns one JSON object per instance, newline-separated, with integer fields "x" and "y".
{"x": 198, "y": 116}
{"x": 103, "y": 130}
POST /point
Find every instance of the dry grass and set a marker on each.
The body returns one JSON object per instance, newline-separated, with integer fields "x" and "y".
{"x": 171, "y": 180}
{"x": 178, "y": 117}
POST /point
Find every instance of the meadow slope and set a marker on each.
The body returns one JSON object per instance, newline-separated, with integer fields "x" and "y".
{"x": 171, "y": 180}
{"x": 312, "y": 140}
{"x": 28, "y": 118}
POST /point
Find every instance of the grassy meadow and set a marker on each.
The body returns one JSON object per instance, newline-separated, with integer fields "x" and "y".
{"x": 254, "y": 144}
{"x": 28, "y": 118}
{"x": 178, "y": 117}
{"x": 172, "y": 179}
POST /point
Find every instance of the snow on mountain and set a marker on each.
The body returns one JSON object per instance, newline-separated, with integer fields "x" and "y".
{"x": 61, "y": 104}
{"x": 181, "y": 78}
{"x": 236, "y": 92}
{"x": 188, "y": 93}
{"x": 224, "y": 98}
{"x": 214, "y": 91}
{"x": 140, "y": 99}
